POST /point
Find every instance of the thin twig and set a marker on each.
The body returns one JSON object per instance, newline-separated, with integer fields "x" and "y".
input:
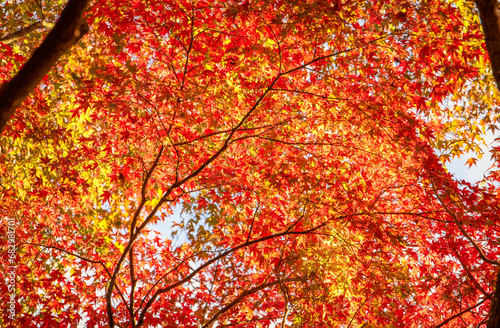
{"x": 459, "y": 225}
{"x": 81, "y": 258}
{"x": 460, "y": 313}
{"x": 245, "y": 294}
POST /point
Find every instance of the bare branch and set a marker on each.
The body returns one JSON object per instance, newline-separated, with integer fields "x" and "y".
{"x": 494, "y": 312}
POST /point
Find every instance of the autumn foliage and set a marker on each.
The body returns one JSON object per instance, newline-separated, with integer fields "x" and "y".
{"x": 303, "y": 141}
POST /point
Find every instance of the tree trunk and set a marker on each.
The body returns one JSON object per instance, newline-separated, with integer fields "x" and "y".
{"x": 494, "y": 314}
{"x": 490, "y": 21}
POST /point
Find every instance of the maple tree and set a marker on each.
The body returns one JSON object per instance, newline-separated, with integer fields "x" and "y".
{"x": 304, "y": 141}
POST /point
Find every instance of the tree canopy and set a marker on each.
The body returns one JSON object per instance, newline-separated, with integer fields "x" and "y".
{"x": 305, "y": 143}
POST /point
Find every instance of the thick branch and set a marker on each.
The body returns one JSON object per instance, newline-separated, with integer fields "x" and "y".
{"x": 67, "y": 31}
{"x": 490, "y": 20}
{"x": 25, "y": 31}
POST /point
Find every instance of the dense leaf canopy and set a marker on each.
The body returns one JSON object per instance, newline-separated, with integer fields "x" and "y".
{"x": 304, "y": 141}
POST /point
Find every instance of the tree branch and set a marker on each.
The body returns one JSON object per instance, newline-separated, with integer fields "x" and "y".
{"x": 66, "y": 32}
{"x": 357, "y": 311}
{"x": 478, "y": 248}
{"x": 133, "y": 282}
{"x": 135, "y": 234}
{"x": 245, "y": 294}
{"x": 129, "y": 250}
{"x": 494, "y": 313}
{"x": 460, "y": 313}
{"x": 10, "y": 38}
{"x": 81, "y": 258}
{"x": 222, "y": 255}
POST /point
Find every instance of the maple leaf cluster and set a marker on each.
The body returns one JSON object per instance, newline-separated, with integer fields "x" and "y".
{"x": 298, "y": 139}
